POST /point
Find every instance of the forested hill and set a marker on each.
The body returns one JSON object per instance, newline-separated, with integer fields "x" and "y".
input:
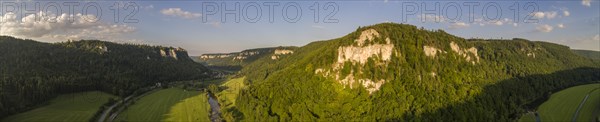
{"x": 236, "y": 60}
{"x": 32, "y": 72}
{"x": 589, "y": 54}
{"x": 400, "y": 72}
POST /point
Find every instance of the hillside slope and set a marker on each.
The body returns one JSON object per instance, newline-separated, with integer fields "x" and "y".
{"x": 588, "y": 53}
{"x": 33, "y": 72}
{"x": 400, "y": 72}
{"x": 236, "y": 60}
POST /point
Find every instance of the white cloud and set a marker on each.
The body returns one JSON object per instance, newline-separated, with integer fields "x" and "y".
{"x": 544, "y": 28}
{"x": 431, "y": 18}
{"x": 549, "y": 14}
{"x": 560, "y": 25}
{"x": 458, "y": 25}
{"x": 53, "y": 27}
{"x": 596, "y": 38}
{"x": 148, "y": 7}
{"x": 566, "y": 13}
{"x": 539, "y": 15}
{"x": 180, "y": 13}
{"x": 587, "y": 3}
{"x": 498, "y": 23}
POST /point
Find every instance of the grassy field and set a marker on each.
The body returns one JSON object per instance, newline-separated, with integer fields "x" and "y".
{"x": 228, "y": 95}
{"x": 562, "y": 105}
{"x": 172, "y": 104}
{"x": 69, "y": 107}
{"x": 591, "y": 107}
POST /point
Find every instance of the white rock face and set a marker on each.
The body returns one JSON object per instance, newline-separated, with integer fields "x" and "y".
{"x": 358, "y": 56}
{"x": 366, "y": 35}
{"x": 169, "y": 53}
{"x": 249, "y": 53}
{"x": 531, "y": 54}
{"x": 239, "y": 57}
{"x": 173, "y": 54}
{"x": 368, "y": 84}
{"x": 163, "y": 53}
{"x": 283, "y": 52}
{"x": 103, "y": 49}
{"x": 430, "y": 51}
{"x": 211, "y": 56}
{"x": 362, "y": 54}
{"x": 465, "y": 52}
{"x": 278, "y": 52}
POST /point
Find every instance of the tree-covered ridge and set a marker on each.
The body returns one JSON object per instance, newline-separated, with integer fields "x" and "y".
{"x": 236, "y": 60}
{"x": 589, "y": 54}
{"x": 430, "y": 75}
{"x": 33, "y": 72}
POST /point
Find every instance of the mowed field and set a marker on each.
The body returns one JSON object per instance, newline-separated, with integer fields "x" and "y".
{"x": 76, "y": 107}
{"x": 227, "y": 96}
{"x": 172, "y": 104}
{"x": 562, "y": 105}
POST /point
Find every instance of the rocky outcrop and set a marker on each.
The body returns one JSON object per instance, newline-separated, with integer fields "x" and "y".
{"x": 279, "y": 52}
{"x": 283, "y": 52}
{"x": 473, "y": 58}
{"x": 358, "y": 56}
{"x": 212, "y": 56}
{"x": 431, "y": 51}
{"x": 103, "y": 49}
{"x": 171, "y": 52}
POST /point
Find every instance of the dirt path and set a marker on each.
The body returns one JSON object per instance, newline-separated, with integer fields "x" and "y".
{"x": 581, "y": 104}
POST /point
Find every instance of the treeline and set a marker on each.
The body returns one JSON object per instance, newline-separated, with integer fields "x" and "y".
{"x": 33, "y": 72}
{"x": 509, "y": 75}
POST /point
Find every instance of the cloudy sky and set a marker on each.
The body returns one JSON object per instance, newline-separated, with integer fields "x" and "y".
{"x": 216, "y": 26}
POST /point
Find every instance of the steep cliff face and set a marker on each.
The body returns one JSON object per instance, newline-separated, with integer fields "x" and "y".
{"x": 280, "y": 52}
{"x": 173, "y": 52}
{"x": 360, "y": 52}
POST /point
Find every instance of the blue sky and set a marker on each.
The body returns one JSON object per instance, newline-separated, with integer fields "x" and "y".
{"x": 180, "y": 23}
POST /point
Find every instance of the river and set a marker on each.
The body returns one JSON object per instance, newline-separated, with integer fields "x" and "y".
{"x": 215, "y": 109}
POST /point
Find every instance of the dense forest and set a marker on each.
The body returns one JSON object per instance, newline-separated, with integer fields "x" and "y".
{"x": 394, "y": 71}
{"x": 33, "y": 72}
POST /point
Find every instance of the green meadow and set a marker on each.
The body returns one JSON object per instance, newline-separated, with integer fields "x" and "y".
{"x": 562, "y": 105}
{"x": 172, "y": 104}
{"x": 68, "y": 107}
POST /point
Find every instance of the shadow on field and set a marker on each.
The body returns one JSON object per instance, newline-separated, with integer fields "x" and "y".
{"x": 191, "y": 108}
{"x": 509, "y": 99}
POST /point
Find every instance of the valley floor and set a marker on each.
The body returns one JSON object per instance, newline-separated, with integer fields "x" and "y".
{"x": 172, "y": 104}
{"x": 563, "y": 105}
{"x": 69, "y": 107}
